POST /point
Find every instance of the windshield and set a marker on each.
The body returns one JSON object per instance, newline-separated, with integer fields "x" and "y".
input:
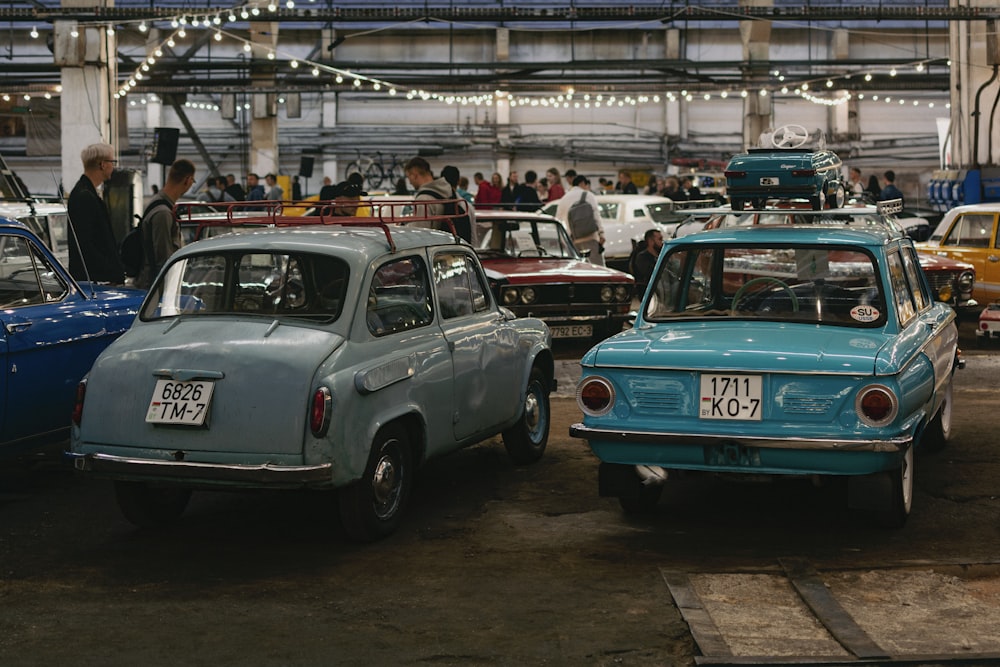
{"x": 271, "y": 284}
{"x": 528, "y": 238}
{"x": 837, "y": 285}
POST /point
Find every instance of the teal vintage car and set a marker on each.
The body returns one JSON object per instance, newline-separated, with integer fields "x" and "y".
{"x": 785, "y": 169}
{"x": 775, "y": 351}
{"x": 324, "y": 356}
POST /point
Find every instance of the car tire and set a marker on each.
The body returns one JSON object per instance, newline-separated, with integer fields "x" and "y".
{"x": 147, "y": 506}
{"x": 817, "y": 202}
{"x": 901, "y": 498}
{"x": 838, "y": 197}
{"x": 525, "y": 441}
{"x": 370, "y": 508}
{"x": 938, "y": 432}
{"x": 737, "y": 204}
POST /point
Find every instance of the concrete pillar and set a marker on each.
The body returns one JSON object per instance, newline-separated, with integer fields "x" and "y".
{"x": 756, "y": 37}
{"x": 155, "y": 172}
{"x": 501, "y": 106}
{"x": 89, "y": 80}
{"x": 264, "y": 155}
{"x": 328, "y": 118}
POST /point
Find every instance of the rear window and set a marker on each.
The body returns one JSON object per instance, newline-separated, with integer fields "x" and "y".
{"x": 815, "y": 284}
{"x": 269, "y": 284}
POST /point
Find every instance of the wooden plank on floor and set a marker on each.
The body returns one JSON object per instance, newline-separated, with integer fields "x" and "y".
{"x": 813, "y": 591}
{"x": 703, "y": 629}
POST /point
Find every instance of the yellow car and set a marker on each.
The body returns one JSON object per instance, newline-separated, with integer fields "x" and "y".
{"x": 969, "y": 234}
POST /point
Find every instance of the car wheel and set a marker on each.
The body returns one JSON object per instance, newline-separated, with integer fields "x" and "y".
{"x": 901, "y": 498}
{"x": 838, "y": 197}
{"x": 146, "y": 506}
{"x": 817, "y": 202}
{"x": 370, "y": 507}
{"x": 938, "y": 432}
{"x": 526, "y": 440}
{"x": 737, "y": 204}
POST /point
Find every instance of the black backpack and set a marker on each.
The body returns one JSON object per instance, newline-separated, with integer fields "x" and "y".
{"x": 462, "y": 222}
{"x": 130, "y": 251}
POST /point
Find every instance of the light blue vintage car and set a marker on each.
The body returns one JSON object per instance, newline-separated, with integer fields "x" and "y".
{"x": 329, "y": 357}
{"x": 789, "y": 351}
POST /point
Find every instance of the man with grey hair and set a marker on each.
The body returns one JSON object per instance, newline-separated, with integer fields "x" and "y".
{"x": 93, "y": 250}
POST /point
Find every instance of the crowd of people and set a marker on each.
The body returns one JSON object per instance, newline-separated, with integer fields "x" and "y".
{"x": 94, "y": 252}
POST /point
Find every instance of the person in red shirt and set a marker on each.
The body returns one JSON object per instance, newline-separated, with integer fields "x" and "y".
{"x": 487, "y": 194}
{"x": 556, "y": 190}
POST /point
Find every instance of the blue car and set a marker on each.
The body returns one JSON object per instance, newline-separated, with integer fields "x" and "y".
{"x": 775, "y": 351}
{"x": 784, "y": 168}
{"x": 53, "y": 329}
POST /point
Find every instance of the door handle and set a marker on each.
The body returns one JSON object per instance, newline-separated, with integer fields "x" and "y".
{"x": 993, "y": 258}
{"x": 14, "y": 327}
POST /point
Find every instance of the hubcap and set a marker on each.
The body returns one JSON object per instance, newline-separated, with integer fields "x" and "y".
{"x": 385, "y": 486}
{"x": 533, "y": 413}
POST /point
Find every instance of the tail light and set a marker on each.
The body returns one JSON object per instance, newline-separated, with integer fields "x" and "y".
{"x": 735, "y": 174}
{"x": 319, "y": 412}
{"x": 803, "y": 172}
{"x": 595, "y": 396}
{"x": 81, "y": 393}
{"x": 876, "y": 405}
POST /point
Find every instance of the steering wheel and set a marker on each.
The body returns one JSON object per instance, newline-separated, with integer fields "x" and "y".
{"x": 790, "y": 136}
{"x": 762, "y": 281}
{"x": 538, "y": 251}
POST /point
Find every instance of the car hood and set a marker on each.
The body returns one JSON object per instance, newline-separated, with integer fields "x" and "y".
{"x": 260, "y": 402}
{"x": 550, "y": 270}
{"x": 931, "y": 262}
{"x": 744, "y": 346}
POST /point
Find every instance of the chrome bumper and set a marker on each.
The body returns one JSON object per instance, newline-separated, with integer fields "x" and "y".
{"x": 208, "y": 473}
{"x": 660, "y": 438}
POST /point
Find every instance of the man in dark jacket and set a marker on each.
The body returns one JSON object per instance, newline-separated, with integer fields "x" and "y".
{"x": 93, "y": 250}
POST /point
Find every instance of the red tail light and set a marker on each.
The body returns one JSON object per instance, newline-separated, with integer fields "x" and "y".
{"x": 595, "y": 396}
{"x": 876, "y": 405}
{"x": 735, "y": 174}
{"x": 81, "y": 393}
{"x": 319, "y": 412}
{"x": 803, "y": 172}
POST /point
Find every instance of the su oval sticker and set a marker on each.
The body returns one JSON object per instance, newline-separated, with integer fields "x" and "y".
{"x": 865, "y": 313}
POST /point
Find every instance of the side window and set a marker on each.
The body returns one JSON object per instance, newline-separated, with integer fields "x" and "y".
{"x": 458, "y": 285}
{"x": 901, "y": 294}
{"x": 914, "y": 275}
{"x": 26, "y": 276}
{"x": 971, "y": 230}
{"x": 399, "y": 297}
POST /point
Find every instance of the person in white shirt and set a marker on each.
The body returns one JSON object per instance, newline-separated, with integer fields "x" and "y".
{"x": 854, "y": 183}
{"x": 592, "y": 242}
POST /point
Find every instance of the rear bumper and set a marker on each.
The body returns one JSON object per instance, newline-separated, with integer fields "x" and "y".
{"x": 251, "y": 476}
{"x": 890, "y": 445}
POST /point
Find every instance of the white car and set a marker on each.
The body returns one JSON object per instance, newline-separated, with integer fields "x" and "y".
{"x": 626, "y": 218}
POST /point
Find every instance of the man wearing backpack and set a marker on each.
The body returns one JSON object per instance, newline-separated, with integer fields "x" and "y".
{"x": 579, "y": 213}
{"x": 161, "y": 234}
{"x": 430, "y": 189}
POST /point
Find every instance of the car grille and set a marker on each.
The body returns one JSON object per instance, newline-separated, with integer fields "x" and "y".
{"x": 589, "y": 293}
{"x": 657, "y": 401}
{"x": 939, "y": 279}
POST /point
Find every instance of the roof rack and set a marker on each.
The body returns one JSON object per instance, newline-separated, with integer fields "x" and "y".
{"x": 382, "y": 212}
{"x": 889, "y": 206}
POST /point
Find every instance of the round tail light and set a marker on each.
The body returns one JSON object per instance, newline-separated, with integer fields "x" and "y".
{"x": 81, "y": 393}
{"x": 595, "y": 396}
{"x": 876, "y": 405}
{"x": 319, "y": 412}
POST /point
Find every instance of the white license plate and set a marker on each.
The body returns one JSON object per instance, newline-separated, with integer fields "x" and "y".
{"x": 769, "y": 180}
{"x": 176, "y": 402}
{"x": 730, "y": 397}
{"x": 572, "y": 331}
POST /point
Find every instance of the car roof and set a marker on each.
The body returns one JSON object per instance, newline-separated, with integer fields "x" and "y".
{"x": 374, "y": 239}
{"x": 11, "y": 222}
{"x": 791, "y": 234}
{"x": 635, "y": 199}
